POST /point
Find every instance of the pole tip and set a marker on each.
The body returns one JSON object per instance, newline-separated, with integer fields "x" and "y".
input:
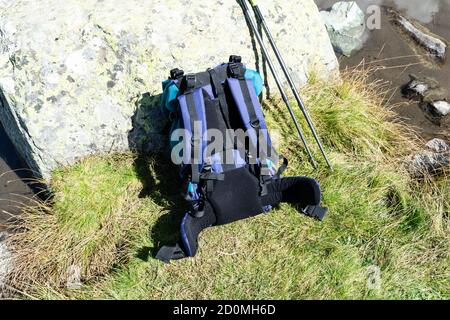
{"x": 253, "y": 3}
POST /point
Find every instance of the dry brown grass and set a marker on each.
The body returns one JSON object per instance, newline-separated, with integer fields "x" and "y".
{"x": 83, "y": 225}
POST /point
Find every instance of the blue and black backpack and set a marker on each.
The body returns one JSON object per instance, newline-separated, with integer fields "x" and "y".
{"x": 234, "y": 180}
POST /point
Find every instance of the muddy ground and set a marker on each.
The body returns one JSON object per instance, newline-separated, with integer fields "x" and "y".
{"x": 14, "y": 189}
{"x": 396, "y": 56}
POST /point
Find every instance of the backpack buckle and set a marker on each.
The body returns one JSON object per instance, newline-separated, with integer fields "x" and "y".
{"x": 191, "y": 80}
{"x": 235, "y": 59}
{"x": 198, "y": 209}
{"x": 188, "y": 83}
{"x": 176, "y": 74}
{"x": 255, "y": 124}
{"x": 236, "y": 70}
{"x": 316, "y": 212}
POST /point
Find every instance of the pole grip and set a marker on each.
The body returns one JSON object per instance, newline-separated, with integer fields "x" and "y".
{"x": 253, "y": 3}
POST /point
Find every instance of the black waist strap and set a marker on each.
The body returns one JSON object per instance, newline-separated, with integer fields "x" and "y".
{"x": 167, "y": 253}
{"x": 316, "y": 212}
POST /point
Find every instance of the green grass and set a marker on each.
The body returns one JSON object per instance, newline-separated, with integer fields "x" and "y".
{"x": 109, "y": 214}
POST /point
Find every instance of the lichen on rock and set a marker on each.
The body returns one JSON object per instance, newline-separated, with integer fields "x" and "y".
{"x": 74, "y": 74}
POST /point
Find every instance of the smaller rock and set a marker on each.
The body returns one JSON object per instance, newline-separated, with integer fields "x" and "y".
{"x": 440, "y": 108}
{"x": 429, "y": 163}
{"x": 422, "y": 36}
{"x": 5, "y": 260}
{"x": 431, "y": 95}
{"x": 419, "y": 88}
{"x": 416, "y": 87}
{"x": 426, "y": 88}
{"x": 345, "y": 23}
{"x": 438, "y": 145}
{"x": 434, "y": 161}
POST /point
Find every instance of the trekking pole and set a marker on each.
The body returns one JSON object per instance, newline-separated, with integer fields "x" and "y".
{"x": 277, "y": 79}
{"x": 301, "y": 105}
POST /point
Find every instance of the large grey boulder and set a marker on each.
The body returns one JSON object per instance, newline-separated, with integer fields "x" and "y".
{"x": 81, "y": 77}
{"x": 345, "y": 23}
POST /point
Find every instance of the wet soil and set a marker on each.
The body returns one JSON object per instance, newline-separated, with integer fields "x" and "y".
{"x": 15, "y": 191}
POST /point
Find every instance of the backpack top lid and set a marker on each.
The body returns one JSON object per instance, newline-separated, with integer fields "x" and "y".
{"x": 171, "y": 89}
{"x": 169, "y": 104}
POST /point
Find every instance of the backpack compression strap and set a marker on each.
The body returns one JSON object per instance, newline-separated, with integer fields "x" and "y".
{"x": 249, "y": 107}
{"x": 193, "y": 112}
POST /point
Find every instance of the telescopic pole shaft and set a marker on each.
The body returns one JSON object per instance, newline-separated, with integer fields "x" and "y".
{"x": 286, "y": 72}
{"x": 277, "y": 79}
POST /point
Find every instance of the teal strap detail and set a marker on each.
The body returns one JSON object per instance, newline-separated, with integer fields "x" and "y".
{"x": 170, "y": 94}
{"x": 256, "y": 79}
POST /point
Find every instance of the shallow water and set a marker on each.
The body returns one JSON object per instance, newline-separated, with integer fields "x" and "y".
{"x": 390, "y": 49}
{"x": 424, "y": 11}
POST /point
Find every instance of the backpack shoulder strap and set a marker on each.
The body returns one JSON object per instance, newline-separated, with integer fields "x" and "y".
{"x": 247, "y": 102}
{"x": 192, "y": 108}
{"x": 237, "y": 84}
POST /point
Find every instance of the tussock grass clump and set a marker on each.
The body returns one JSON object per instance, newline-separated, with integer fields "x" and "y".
{"x": 94, "y": 211}
{"x": 108, "y": 216}
{"x": 351, "y": 117}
